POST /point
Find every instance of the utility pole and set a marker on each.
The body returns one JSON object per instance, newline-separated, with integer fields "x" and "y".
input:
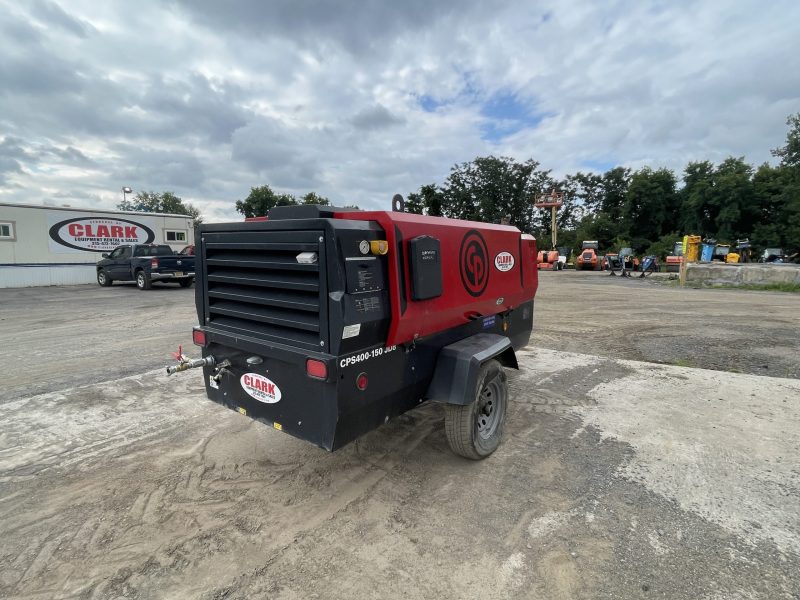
{"x": 551, "y": 201}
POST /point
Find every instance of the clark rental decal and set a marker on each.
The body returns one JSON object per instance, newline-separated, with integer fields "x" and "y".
{"x": 99, "y": 234}
{"x": 504, "y": 261}
{"x": 260, "y": 388}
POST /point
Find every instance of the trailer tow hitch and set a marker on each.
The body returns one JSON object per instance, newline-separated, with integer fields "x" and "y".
{"x": 185, "y": 363}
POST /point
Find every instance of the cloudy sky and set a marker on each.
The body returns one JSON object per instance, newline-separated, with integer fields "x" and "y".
{"x": 360, "y": 100}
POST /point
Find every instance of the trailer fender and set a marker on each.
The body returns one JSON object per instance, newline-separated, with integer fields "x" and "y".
{"x": 459, "y": 364}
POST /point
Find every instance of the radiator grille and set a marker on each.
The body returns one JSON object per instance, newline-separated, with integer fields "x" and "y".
{"x": 255, "y": 287}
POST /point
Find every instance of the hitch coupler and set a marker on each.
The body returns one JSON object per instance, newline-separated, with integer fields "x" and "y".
{"x": 186, "y": 363}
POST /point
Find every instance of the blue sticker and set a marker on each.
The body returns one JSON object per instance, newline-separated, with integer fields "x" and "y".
{"x": 488, "y": 322}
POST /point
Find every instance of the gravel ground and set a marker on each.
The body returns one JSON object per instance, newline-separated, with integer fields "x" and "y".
{"x": 724, "y": 329}
{"x": 617, "y": 478}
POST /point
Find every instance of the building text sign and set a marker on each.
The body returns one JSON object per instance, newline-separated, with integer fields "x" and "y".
{"x": 95, "y": 233}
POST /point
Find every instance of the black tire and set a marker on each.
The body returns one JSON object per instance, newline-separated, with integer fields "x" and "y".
{"x": 474, "y": 431}
{"x": 185, "y": 283}
{"x": 103, "y": 279}
{"x": 143, "y": 281}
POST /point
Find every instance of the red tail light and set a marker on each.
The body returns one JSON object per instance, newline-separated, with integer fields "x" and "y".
{"x": 316, "y": 368}
{"x": 362, "y": 381}
{"x": 199, "y": 337}
{"x": 153, "y": 263}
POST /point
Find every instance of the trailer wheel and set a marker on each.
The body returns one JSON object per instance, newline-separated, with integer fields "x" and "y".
{"x": 474, "y": 430}
{"x": 103, "y": 278}
{"x": 143, "y": 281}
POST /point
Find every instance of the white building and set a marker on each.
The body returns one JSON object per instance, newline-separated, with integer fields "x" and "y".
{"x": 48, "y": 245}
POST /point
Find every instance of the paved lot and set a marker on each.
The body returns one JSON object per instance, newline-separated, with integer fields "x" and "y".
{"x": 617, "y": 478}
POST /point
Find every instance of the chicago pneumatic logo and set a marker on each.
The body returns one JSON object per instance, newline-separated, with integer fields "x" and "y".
{"x": 474, "y": 263}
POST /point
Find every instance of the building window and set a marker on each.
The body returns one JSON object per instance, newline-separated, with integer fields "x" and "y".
{"x": 175, "y": 236}
{"x": 7, "y": 231}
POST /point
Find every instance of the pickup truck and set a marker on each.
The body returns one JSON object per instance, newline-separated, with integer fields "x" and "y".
{"x": 144, "y": 264}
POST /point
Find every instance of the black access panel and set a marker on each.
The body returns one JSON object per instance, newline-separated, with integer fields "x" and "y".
{"x": 425, "y": 262}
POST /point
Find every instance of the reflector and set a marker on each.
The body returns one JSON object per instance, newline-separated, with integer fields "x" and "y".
{"x": 316, "y": 368}
{"x": 199, "y": 337}
{"x": 362, "y": 381}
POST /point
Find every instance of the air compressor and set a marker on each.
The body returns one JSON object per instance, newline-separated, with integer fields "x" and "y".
{"x": 326, "y": 322}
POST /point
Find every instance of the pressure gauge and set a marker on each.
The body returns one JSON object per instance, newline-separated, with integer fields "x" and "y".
{"x": 363, "y": 247}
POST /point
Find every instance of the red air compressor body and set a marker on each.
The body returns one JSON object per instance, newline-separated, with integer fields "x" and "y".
{"x": 326, "y": 322}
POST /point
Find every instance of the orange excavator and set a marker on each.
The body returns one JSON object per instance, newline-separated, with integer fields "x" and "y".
{"x": 588, "y": 259}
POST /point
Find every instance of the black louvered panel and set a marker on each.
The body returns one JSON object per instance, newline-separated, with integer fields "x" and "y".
{"x": 256, "y": 287}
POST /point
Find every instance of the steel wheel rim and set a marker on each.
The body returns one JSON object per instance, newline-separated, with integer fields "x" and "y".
{"x": 491, "y": 406}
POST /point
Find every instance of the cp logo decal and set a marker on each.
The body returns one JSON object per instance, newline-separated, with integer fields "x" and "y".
{"x": 474, "y": 261}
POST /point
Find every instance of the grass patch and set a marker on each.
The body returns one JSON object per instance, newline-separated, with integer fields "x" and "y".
{"x": 762, "y": 287}
{"x": 792, "y": 288}
{"x": 682, "y": 362}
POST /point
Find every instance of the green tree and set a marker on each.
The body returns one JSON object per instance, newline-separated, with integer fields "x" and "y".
{"x": 164, "y": 202}
{"x": 597, "y": 226}
{"x": 586, "y": 188}
{"x": 789, "y": 196}
{"x": 697, "y": 213}
{"x": 261, "y": 199}
{"x": 427, "y": 201}
{"x": 414, "y": 203}
{"x": 490, "y": 188}
{"x": 789, "y": 153}
{"x": 615, "y": 189}
{"x": 314, "y": 198}
{"x": 733, "y": 200}
{"x": 651, "y": 206}
{"x": 664, "y": 245}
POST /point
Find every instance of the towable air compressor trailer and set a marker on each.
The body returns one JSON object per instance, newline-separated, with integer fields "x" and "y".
{"x": 326, "y": 322}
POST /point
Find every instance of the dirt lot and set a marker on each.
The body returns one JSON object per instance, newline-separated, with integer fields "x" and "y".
{"x": 617, "y": 478}
{"x": 726, "y": 329}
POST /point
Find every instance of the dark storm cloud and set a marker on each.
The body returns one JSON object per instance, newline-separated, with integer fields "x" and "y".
{"x": 18, "y": 31}
{"x": 359, "y": 100}
{"x": 68, "y": 155}
{"x": 27, "y": 65}
{"x": 279, "y": 152}
{"x": 355, "y": 25}
{"x": 158, "y": 168}
{"x": 39, "y": 73}
{"x": 264, "y": 143}
{"x": 375, "y": 117}
{"x": 12, "y": 155}
{"x": 195, "y": 107}
{"x": 52, "y": 14}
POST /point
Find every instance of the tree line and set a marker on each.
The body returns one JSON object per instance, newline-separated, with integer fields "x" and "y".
{"x": 647, "y": 209}
{"x": 161, "y": 202}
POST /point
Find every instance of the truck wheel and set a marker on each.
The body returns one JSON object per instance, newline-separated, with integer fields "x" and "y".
{"x": 103, "y": 278}
{"x": 474, "y": 431}
{"x": 184, "y": 283}
{"x": 143, "y": 281}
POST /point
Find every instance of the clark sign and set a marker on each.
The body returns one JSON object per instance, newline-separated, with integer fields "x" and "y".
{"x": 98, "y": 234}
